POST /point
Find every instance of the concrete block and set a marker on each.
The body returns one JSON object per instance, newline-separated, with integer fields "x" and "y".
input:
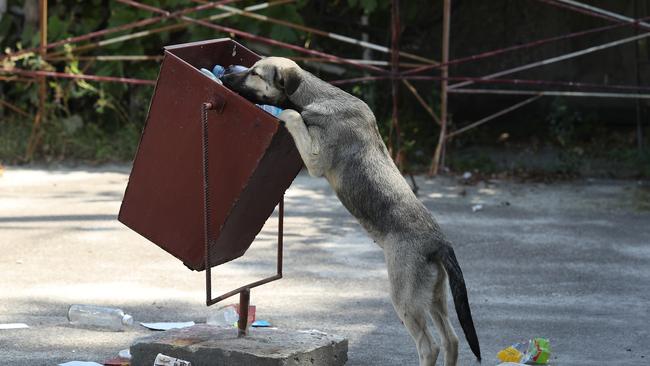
{"x": 206, "y": 345}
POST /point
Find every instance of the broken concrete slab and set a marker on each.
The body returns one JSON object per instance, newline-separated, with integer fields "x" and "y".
{"x": 207, "y": 345}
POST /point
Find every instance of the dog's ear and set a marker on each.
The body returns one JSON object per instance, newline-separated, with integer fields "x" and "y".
{"x": 288, "y": 79}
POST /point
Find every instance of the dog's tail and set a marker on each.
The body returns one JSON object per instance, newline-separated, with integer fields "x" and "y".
{"x": 459, "y": 293}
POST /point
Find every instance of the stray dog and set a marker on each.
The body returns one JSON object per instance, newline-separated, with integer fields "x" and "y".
{"x": 337, "y": 137}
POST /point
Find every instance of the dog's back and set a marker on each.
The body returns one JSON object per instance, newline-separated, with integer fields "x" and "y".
{"x": 360, "y": 169}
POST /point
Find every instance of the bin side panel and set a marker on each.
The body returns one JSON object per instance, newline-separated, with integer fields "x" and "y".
{"x": 153, "y": 205}
{"x": 273, "y": 176}
{"x": 164, "y": 198}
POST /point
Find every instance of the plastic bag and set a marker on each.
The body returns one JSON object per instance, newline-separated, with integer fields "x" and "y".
{"x": 536, "y": 352}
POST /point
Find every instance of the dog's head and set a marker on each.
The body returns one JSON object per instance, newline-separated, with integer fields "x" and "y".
{"x": 269, "y": 81}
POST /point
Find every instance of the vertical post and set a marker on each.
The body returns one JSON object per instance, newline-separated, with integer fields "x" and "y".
{"x": 394, "y": 68}
{"x": 639, "y": 125}
{"x": 43, "y": 52}
{"x": 42, "y": 83}
{"x": 437, "y": 156}
{"x": 244, "y": 301}
{"x": 206, "y": 202}
{"x": 280, "y": 235}
{"x": 367, "y": 52}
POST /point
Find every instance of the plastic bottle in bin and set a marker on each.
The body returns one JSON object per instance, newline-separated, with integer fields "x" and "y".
{"x": 92, "y": 316}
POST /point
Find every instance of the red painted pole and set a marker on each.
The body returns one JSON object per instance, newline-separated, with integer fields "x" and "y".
{"x": 395, "y": 131}
{"x": 570, "y": 84}
{"x": 55, "y": 74}
{"x": 42, "y": 83}
{"x": 438, "y": 155}
{"x": 244, "y": 302}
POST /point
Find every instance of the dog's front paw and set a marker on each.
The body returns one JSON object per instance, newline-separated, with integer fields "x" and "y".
{"x": 291, "y": 120}
{"x": 288, "y": 116}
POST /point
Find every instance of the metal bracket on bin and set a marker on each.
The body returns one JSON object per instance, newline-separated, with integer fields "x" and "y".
{"x": 244, "y": 291}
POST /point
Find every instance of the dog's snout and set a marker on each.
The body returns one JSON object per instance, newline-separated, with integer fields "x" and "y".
{"x": 233, "y": 80}
{"x": 230, "y": 79}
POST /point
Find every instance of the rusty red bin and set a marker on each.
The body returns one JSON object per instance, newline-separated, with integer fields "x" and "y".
{"x": 252, "y": 160}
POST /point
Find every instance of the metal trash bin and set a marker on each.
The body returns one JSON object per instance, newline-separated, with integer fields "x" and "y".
{"x": 252, "y": 161}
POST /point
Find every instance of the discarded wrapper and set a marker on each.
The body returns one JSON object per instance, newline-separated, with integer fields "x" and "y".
{"x": 117, "y": 361}
{"x": 125, "y": 353}
{"x": 163, "y": 360}
{"x": 536, "y": 352}
{"x": 167, "y": 325}
{"x": 514, "y": 353}
{"x": 539, "y": 351}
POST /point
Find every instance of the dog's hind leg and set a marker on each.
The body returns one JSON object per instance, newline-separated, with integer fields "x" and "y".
{"x": 416, "y": 324}
{"x": 439, "y": 315}
{"x": 410, "y": 301}
{"x": 449, "y": 339}
{"x": 415, "y": 321}
{"x": 307, "y": 145}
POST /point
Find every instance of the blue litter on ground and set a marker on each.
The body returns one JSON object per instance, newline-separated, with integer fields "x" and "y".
{"x": 260, "y": 324}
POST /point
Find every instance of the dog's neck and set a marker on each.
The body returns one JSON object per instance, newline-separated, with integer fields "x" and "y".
{"x": 310, "y": 90}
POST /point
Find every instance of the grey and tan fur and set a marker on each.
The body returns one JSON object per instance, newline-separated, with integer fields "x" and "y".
{"x": 337, "y": 137}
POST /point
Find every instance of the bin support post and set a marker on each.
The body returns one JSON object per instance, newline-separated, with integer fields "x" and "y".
{"x": 205, "y": 107}
{"x": 244, "y": 291}
{"x": 244, "y": 301}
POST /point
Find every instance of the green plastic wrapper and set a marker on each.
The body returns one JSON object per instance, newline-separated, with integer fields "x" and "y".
{"x": 539, "y": 352}
{"x": 536, "y": 352}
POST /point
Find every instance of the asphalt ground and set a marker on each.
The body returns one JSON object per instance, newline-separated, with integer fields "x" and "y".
{"x": 569, "y": 261}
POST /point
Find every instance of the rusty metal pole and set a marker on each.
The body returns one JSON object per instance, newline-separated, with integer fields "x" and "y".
{"x": 280, "y": 236}
{"x": 394, "y": 68}
{"x": 437, "y": 156}
{"x": 43, "y": 52}
{"x": 639, "y": 126}
{"x": 42, "y": 85}
{"x": 244, "y": 302}
{"x": 207, "y": 218}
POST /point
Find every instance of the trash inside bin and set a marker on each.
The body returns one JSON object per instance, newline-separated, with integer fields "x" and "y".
{"x": 252, "y": 160}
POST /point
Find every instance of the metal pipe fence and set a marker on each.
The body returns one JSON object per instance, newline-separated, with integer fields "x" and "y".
{"x": 395, "y": 70}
